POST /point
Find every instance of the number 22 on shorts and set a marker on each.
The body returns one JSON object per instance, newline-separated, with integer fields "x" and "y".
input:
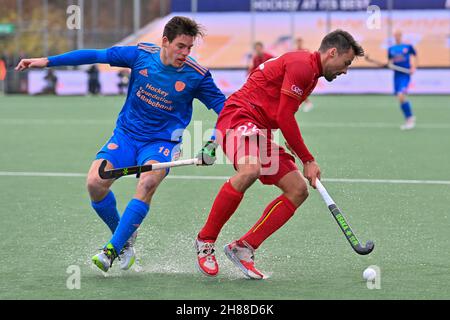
{"x": 249, "y": 129}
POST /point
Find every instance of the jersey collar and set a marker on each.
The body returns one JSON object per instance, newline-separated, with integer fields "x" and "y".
{"x": 318, "y": 64}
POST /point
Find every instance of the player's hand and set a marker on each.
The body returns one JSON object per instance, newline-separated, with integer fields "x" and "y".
{"x": 412, "y": 70}
{"x": 207, "y": 156}
{"x": 32, "y": 63}
{"x": 311, "y": 171}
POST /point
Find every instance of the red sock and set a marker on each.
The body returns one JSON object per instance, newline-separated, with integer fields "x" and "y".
{"x": 277, "y": 213}
{"x": 225, "y": 204}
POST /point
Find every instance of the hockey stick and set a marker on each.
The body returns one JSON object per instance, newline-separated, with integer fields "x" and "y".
{"x": 137, "y": 170}
{"x": 345, "y": 227}
{"x": 339, "y": 217}
{"x": 388, "y": 65}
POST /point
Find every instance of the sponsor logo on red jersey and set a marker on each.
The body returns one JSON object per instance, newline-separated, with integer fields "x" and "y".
{"x": 297, "y": 90}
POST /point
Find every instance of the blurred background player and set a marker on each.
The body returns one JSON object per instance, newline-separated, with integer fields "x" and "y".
{"x": 403, "y": 55}
{"x": 124, "y": 80}
{"x": 307, "y": 104}
{"x": 158, "y": 108}
{"x": 269, "y": 100}
{"x": 94, "y": 86}
{"x": 259, "y": 56}
{"x": 51, "y": 83}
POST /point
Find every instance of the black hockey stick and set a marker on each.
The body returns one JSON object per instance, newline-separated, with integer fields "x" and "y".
{"x": 345, "y": 227}
{"x": 339, "y": 217}
{"x": 137, "y": 170}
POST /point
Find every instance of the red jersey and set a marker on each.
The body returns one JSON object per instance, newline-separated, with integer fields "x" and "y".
{"x": 274, "y": 91}
{"x": 294, "y": 74}
{"x": 257, "y": 60}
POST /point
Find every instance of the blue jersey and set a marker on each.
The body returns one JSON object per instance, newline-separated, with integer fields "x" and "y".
{"x": 159, "y": 101}
{"x": 400, "y": 55}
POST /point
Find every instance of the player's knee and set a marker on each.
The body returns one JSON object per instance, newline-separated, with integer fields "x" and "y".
{"x": 302, "y": 193}
{"x": 95, "y": 187}
{"x": 298, "y": 194}
{"x": 147, "y": 186}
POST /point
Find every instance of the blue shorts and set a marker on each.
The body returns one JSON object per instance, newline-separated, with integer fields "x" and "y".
{"x": 401, "y": 83}
{"x": 122, "y": 151}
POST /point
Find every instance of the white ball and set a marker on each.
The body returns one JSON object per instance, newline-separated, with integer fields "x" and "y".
{"x": 369, "y": 274}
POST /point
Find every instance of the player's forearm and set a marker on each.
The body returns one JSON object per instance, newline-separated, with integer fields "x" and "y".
{"x": 294, "y": 138}
{"x": 290, "y": 130}
{"x": 79, "y": 57}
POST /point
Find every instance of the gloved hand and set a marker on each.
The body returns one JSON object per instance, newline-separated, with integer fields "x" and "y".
{"x": 207, "y": 155}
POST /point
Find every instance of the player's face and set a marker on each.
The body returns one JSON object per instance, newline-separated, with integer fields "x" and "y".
{"x": 337, "y": 64}
{"x": 259, "y": 49}
{"x": 398, "y": 37}
{"x": 177, "y": 51}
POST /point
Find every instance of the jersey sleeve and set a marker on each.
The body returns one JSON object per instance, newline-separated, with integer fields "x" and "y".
{"x": 412, "y": 50}
{"x": 296, "y": 80}
{"x": 289, "y": 127}
{"x": 390, "y": 55}
{"x": 122, "y": 56}
{"x": 209, "y": 94}
{"x": 78, "y": 57}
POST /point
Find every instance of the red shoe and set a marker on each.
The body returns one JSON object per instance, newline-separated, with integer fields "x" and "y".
{"x": 206, "y": 260}
{"x": 243, "y": 258}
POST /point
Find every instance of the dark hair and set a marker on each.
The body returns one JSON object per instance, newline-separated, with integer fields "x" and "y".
{"x": 182, "y": 25}
{"x": 258, "y": 43}
{"x": 342, "y": 41}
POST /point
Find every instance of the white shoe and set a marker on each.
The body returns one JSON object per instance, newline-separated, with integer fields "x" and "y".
{"x": 243, "y": 258}
{"x": 127, "y": 255}
{"x": 409, "y": 124}
{"x": 105, "y": 258}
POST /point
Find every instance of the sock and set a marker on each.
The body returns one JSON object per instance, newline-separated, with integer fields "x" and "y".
{"x": 225, "y": 204}
{"x": 132, "y": 218}
{"x": 406, "y": 109}
{"x": 277, "y": 213}
{"x": 107, "y": 211}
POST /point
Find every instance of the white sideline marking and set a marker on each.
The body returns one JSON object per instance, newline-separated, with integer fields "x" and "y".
{"x": 54, "y": 121}
{"x": 185, "y": 177}
{"x": 371, "y": 125}
{"x": 303, "y": 124}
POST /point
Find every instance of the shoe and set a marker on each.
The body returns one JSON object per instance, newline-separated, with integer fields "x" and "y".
{"x": 206, "y": 260}
{"x": 243, "y": 258}
{"x": 409, "y": 124}
{"x": 105, "y": 259}
{"x": 127, "y": 255}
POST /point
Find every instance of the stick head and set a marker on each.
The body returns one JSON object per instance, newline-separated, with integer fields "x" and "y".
{"x": 366, "y": 249}
{"x": 101, "y": 171}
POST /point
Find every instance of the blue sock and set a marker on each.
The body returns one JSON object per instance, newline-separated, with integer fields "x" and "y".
{"x": 107, "y": 211}
{"x": 406, "y": 108}
{"x": 131, "y": 220}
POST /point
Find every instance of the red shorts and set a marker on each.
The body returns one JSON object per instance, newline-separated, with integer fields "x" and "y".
{"x": 241, "y": 135}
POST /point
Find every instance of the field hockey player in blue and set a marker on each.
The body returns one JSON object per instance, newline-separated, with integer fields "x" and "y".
{"x": 164, "y": 81}
{"x": 400, "y": 55}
